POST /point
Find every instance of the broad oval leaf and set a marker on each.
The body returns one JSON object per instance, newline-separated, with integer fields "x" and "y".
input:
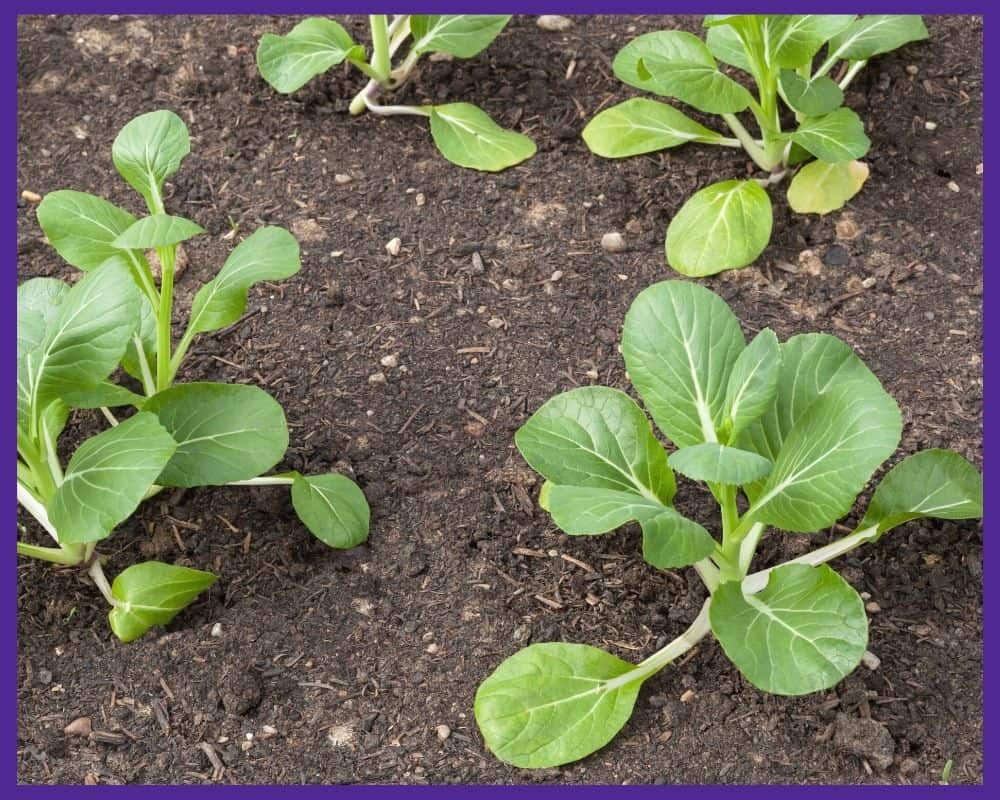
{"x": 803, "y": 633}
{"x": 157, "y": 230}
{"x": 932, "y": 483}
{"x": 596, "y": 437}
{"x": 716, "y": 463}
{"x": 836, "y": 137}
{"x": 105, "y": 393}
{"x": 333, "y": 508}
{"x": 677, "y": 45}
{"x": 38, "y": 303}
{"x": 820, "y": 187}
{"x": 696, "y": 83}
{"x": 107, "y": 478}
{"x": 724, "y": 43}
{"x": 224, "y": 432}
{"x": 468, "y": 137}
{"x": 309, "y": 49}
{"x": 793, "y": 39}
{"x": 146, "y": 335}
{"x": 461, "y": 35}
{"x": 553, "y": 703}
{"x": 753, "y": 383}
{"x": 680, "y": 341}
{"x": 874, "y": 34}
{"x": 640, "y": 126}
{"x": 589, "y": 510}
{"x": 81, "y": 227}
{"x": 724, "y": 226}
{"x": 671, "y": 540}
{"x": 812, "y": 97}
{"x": 828, "y": 457}
{"x": 148, "y": 150}
{"x": 268, "y": 254}
{"x": 152, "y": 593}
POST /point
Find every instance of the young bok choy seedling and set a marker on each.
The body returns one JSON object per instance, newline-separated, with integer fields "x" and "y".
{"x": 464, "y": 133}
{"x": 71, "y": 339}
{"x": 783, "y": 435}
{"x": 728, "y": 224}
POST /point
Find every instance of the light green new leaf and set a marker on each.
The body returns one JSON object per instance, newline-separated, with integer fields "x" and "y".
{"x": 462, "y": 35}
{"x": 671, "y": 540}
{"x": 333, "y": 508}
{"x": 468, "y": 137}
{"x": 680, "y": 341}
{"x": 753, "y": 382}
{"x": 224, "y": 432}
{"x": 268, "y": 254}
{"x": 153, "y": 593}
{"x": 38, "y": 303}
{"x": 803, "y": 633}
{"x": 148, "y": 150}
{"x": 839, "y": 136}
{"x": 819, "y": 187}
{"x": 309, "y": 49}
{"x": 157, "y": 230}
{"x": 828, "y": 457}
{"x": 716, "y": 463}
{"x": 640, "y": 126}
{"x": 82, "y": 227}
{"x": 725, "y": 44}
{"x": 931, "y": 483}
{"x": 596, "y": 437}
{"x": 724, "y": 226}
{"x": 694, "y": 82}
{"x": 146, "y": 333}
{"x": 105, "y": 393}
{"x": 553, "y": 703}
{"x": 874, "y": 34}
{"x": 793, "y": 39}
{"x": 589, "y": 510}
{"x": 107, "y": 478}
{"x": 677, "y": 45}
{"x": 813, "y": 97}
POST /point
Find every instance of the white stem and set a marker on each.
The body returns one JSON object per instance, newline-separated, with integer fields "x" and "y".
{"x": 399, "y": 29}
{"x": 856, "y": 67}
{"x": 386, "y": 111}
{"x": 749, "y": 546}
{"x": 748, "y": 142}
{"x": 109, "y": 416}
{"x": 96, "y": 573}
{"x": 36, "y": 509}
{"x": 268, "y": 480}
{"x": 709, "y": 574}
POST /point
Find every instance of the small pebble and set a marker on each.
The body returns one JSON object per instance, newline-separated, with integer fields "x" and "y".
{"x": 931, "y": 126}
{"x": 217, "y": 630}
{"x": 341, "y": 179}
{"x": 81, "y": 726}
{"x": 391, "y": 361}
{"x": 846, "y": 229}
{"x": 688, "y": 696}
{"x": 496, "y": 323}
{"x": 912, "y": 69}
{"x": 872, "y": 607}
{"x": 393, "y": 246}
{"x": 432, "y": 648}
{"x": 953, "y": 186}
{"x": 557, "y": 275}
{"x": 443, "y": 732}
{"x": 553, "y": 22}
{"x": 836, "y": 256}
{"x": 871, "y": 660}
{"x": 613, "y": 242}
{"x": 377, "y": 378}
{"x": 31, "y": 197}
{"x": 420, "y": 199}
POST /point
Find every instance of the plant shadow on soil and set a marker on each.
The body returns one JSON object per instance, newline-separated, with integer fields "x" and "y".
{"x": 339, "y": 667}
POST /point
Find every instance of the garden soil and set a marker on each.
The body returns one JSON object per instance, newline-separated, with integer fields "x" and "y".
{"x": 412, "y": 372}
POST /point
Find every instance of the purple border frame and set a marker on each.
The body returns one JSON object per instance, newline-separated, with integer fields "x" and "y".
{"x": 991, "y": 346}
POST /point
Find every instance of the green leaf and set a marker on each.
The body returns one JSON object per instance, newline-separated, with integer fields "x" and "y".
{"x": 793, "y": 39}
{"x": 803, "y": 633}
{"x": 146, "y": 332}
{"x": 819, "y": 187}
{"x": 874, "y": 34}
{"x": 589, "y": 510}
{"x": 642, "y": 126}
{"x": 309, "y": 49}
{"x": 224, "y": 431}
{"x": 724, "y": 226}
{"x": 153, "y": 593}
{"x": 716, "y": 463}
{"x": 812, "y": 97}
{"x": 828, "y": 457}
{"x": 675, "y": 45}
{"x": 468, "y": 137}
{"x": 462, "y": 35}
{"x": 148, "y": 150}
{"x": 753, "y": 382}
{"x": 931, "y": 483}
{"x": 696, "y": 83}
{"x": 105, "y": 393}
{"x": 158, "y": 230}
{"x": 671, "y": 540}
{"x": 333, "y": 508}
{"x": 553, "y": 703}
{"x": 835, "y": 137}
{"x": 680, "y": 341}
{"x": 268, "y": 254}
{"x": 81, "y": 227}
{"x": 599, "y": 438}
{"x": 38, "y": 303}
{"x": 107, "y": 478}
{"x": 724, "y": 43}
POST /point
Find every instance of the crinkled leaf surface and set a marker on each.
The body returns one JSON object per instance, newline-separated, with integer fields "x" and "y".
{"x": 820, "y": 187}
{"x": 462, "y": 35}
{"x": 81, "y": 227}
{"x": 148, "y": 150}
{"x": 333, "y": 508}
{"x": 835, "y": 137}
{"x": 309, "y": 49}
{"x": 716, "y": 463}
{"x": 676, "y": 45}
{"x": 157, "y": 230}
{"x": 153, "y": 593}
{"x": 468, "y": 137}
{"x": 698, "y": 83}
{"x": 641, "y": 125}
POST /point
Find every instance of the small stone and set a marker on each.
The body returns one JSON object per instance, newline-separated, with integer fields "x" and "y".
{"x": 432, "y": 648}
{"x": 557, "y": 275}
{"x": 391, "y": 361}
{"x": 420, "y": 199}
{"x": 443, "y": 732}
{"x": 554, "y": 22}
{"x": 869, "y": 282}
{"x": 393, "y": 246}
{"x": 81, "y": 726}
{"x": 872, "y": 607}
{"x": 341, "y": 179}
{"x": 613, "y": 242}
{"x": 847, "y": 229}
{"x": 810, "y": 262}
{"x": 377, "y": 378}
{"x": 688, "y": 696}
{"x": 952, "y": 186}
{"x": 912, "y": 69}
{"x": 836, "y": 256}
{"x": 979, "y": 168}
{"x": 931, "y": 126}
{"x": 870, "y": 660}
{"x": 217, "y": 630}
{"x": 496, "y": 323}
{"x": 31, "y": 197}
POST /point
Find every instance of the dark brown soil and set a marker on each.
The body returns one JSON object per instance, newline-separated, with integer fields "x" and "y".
{"x": 339, "y": 666}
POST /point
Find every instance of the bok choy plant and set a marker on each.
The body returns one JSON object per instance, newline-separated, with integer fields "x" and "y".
{"x": 804, "y": 128}
{"x": 464, "y": 133}
{"x": 783, "y": 435}
{"x": 71, "y": 339}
